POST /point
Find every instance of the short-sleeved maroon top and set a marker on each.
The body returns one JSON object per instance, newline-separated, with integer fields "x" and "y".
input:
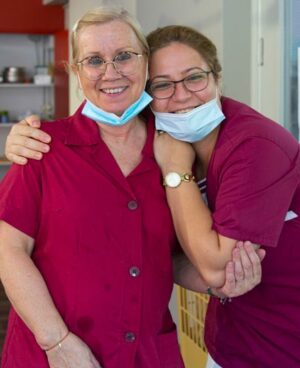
{"x": 103, "y": 245}
{"x": 253, "y": 190}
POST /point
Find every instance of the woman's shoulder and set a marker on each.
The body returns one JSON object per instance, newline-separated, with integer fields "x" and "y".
{"x": 244, "y": 125}
{"x": 57, "y": 129}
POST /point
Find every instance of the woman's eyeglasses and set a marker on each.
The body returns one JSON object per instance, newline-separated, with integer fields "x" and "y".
{"x": 194, "y": 83}
{"x": 125, "y": 63}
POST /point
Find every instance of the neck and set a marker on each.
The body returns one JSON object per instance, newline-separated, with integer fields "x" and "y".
{"x": 204, "y": 150}
{"x": 119, "y": 133}
{"x": 125, "y": 143}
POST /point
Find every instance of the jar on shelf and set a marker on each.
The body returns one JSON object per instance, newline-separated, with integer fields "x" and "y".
{"x": 4, "y": 117}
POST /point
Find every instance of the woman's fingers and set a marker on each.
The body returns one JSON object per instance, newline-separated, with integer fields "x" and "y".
{"x": 27, "y": 142}
{"x": 247, "y": 263}
{"x": 32, "y": 120}
{"x": 230, "y": 276}
{"x": 255, "y": 265}
{"x": 244, "y": 272}
{"x": 16, "y": 159}
{"x": 23, "y": 129}
{"x": 261, "y": 254}
{"x": 238, "y": 267}
{"x": 20, "y": 146}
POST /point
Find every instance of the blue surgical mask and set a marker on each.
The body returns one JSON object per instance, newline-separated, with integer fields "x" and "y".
{"x": 96, "y": 113}
{"x": 191, "y": 126}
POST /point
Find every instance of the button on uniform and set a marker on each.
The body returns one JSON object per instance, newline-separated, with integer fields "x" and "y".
{"x": 134, "y": 271}
{"x": 132, "y": 205}
{"x": 129, "y": 337}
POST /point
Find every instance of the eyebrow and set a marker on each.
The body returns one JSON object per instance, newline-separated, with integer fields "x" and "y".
{"x": 117, "y": 51}
{"x": 167, "y": 76}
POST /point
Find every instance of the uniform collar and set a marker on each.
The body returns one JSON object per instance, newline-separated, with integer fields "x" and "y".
{"x": 82, "y": 131}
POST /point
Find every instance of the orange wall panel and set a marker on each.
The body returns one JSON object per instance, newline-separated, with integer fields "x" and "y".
{"x": 30, "y": 16}
{"x": 61, "y": 77}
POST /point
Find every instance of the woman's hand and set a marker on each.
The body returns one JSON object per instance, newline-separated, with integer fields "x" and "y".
{"x": 25, "y": 140}
{"x": 244, "y": 272}
{"x": 73, "y": 353}
{"x": 173, "y": 155}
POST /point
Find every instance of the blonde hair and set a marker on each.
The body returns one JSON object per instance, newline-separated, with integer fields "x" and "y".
{"x": 103, "y": 15}
{"x": 162, "y": 37}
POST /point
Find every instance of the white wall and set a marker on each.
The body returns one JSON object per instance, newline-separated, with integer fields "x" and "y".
{"x": 237, "y": 49}
{"x": 268, "y": 57}
{"x": 204, "y": 15}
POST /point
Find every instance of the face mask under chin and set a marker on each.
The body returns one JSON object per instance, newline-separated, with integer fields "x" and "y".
{"x": 193, "y": 125}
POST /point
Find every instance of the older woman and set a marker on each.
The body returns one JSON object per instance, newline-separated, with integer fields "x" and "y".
{"x": 86, "y": 234}
{"x": 88, "y": 230}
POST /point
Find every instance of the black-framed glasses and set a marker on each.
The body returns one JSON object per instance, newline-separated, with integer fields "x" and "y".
{"x": 125, "y": 63}
{"x": 194, "y": 83}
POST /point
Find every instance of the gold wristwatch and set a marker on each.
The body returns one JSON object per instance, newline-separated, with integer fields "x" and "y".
{"x": 174, "y": 179}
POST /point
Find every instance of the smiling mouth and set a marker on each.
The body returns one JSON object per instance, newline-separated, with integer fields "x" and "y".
{"x": 182, "y": 111}
{"x": 112, "y": 91}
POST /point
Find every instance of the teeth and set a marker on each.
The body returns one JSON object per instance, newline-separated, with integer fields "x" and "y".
{"x": 182, "y": 111}
{"x": 113, "y": 90}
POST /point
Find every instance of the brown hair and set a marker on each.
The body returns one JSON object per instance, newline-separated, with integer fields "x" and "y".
{"x": 162, "y": 37}
{"x": 103, "y": 15}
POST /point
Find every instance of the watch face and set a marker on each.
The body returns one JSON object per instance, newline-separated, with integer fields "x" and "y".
{"x": 172, "y": 179}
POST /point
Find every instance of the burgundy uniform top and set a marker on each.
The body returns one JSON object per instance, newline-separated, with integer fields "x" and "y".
{"x": 254, "y": 194}
{"x": 103, "y": 244}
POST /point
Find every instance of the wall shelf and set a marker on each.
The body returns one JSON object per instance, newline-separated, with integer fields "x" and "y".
{"x": 4, "y": 162}
{"x": 24, "y": 85}
{"x": 6, "y": 125}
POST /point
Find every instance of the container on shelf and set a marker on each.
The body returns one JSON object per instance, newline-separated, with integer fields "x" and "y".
{"x": 41, "y": 70}
{"x": 42, "y": 79}
{"x": 4, "y": 117}
{"x": 14, "y": 74}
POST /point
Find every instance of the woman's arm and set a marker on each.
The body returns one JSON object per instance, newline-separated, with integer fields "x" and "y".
{"x": 28, "y": 293}
{"x": 242, "y": 274}
{"x": 25, "y": 140}
{"x": 208, "y": 250}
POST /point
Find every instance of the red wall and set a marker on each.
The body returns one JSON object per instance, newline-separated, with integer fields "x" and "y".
{"x": 30, "y": 16}
{"x": 61, "y": 78}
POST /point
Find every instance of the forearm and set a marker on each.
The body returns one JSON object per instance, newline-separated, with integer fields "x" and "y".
{"x": 208, "y": 251}
{"x": 29, "y": 296}
{"x": 186, "y": 275}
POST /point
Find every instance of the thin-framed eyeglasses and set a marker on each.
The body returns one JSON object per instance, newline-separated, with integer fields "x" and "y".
{"x": 195, "y": 82}
{"x": 125, "y": 63}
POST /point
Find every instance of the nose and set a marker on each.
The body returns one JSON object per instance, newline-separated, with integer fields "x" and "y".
{"x": 110, "y": 71}
{"x": 181, "y": 93}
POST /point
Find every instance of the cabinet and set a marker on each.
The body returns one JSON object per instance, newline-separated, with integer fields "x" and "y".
{"x": 29, "y": 52}
{"x": 23, "y": 99}
{"x": 32, "y": 53}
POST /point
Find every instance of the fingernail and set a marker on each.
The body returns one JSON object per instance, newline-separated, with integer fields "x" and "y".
{"x": 23, "y": 161}
{"x": 45, "y": 138}
{"x": 38, "y": 156}
{"x": 36, "y": 123}
{"x": 236, "y": 252}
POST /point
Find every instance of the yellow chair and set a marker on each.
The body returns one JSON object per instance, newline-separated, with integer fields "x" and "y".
{"x": 191, "y": 316}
